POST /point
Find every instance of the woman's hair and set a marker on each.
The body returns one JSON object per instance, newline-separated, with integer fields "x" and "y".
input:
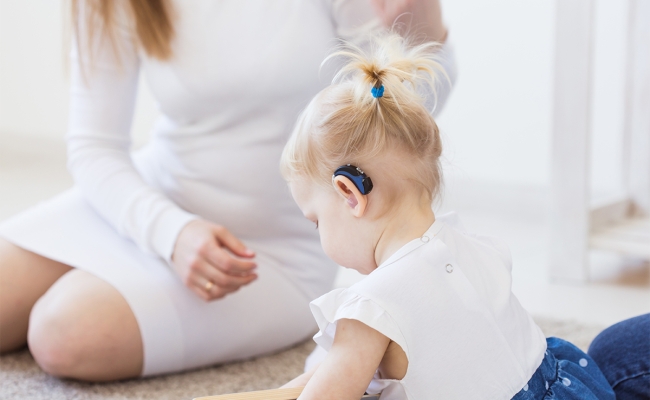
{"x": 346, "y": 124}
{"x": 152, "y": 22}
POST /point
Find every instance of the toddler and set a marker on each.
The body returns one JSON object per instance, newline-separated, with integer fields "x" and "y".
{"x": 435, "y": 317}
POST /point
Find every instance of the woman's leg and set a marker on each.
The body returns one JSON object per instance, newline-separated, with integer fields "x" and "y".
{"x": 24, "y": 277}
{"x": 622, "y": 353}
{"x": 83, "y": 328}
{"x": 80, "y": 326}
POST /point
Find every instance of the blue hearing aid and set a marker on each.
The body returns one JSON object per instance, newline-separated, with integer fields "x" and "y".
{"x": 357, "y": 176}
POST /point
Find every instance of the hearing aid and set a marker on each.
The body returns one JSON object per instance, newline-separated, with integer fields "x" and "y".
{"x": 356, "y": 175}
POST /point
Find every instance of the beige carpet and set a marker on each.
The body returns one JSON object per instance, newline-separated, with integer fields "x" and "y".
{"x": 21, "y": 378}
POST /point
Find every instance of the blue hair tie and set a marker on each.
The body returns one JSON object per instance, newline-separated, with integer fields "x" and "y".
{"x": 377, "y": 91}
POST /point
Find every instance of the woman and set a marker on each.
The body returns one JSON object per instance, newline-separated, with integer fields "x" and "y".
{"x": 191, "y": 251}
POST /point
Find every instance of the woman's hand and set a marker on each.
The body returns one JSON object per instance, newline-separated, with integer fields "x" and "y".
{"x": 211, "y": 261}
{"x": 417, "y": 17}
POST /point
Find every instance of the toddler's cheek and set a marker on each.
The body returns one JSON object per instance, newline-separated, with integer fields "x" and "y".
{"x": 329, "y": 250}
{"x": 333, "y": 249}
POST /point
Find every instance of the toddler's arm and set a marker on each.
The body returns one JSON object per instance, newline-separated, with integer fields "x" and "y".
{"x": 301, "y": 380}
{"x": 350, "y": 363}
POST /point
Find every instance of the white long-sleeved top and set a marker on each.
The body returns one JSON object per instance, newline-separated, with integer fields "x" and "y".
{"x": 228, "y": 99}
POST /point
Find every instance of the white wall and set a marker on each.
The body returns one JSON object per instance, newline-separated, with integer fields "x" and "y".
{"x": 496, "y": 125}
{"x": 34, "y": 45}
{"x": 33, "y": 96}
{"x": 609, "y": 58}
{"x": 498, "y": 122}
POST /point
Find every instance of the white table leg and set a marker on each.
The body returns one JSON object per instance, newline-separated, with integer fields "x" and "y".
{"x": 637, "y": 106}
{"x": 571, "y": 127}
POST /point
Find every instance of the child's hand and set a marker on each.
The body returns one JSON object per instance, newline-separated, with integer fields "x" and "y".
{"x": 301, "y": 380}
{"x": 209, "y": 260}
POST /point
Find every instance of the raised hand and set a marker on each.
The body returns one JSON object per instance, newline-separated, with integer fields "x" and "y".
{"x": 415, "y": 17}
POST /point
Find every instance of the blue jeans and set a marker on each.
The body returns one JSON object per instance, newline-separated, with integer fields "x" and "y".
{"x": 566, "y": 373}
{"x": 622, "y": 352}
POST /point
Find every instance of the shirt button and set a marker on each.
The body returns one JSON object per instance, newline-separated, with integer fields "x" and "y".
{"x": 449, "y": 268}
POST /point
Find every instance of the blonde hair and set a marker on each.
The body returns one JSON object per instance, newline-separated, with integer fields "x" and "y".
{"x": 154, "y": 28}
{"x": 345, "y": 123}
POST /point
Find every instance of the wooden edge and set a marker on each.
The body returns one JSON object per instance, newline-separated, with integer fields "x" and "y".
{"x": 273, "y": 394}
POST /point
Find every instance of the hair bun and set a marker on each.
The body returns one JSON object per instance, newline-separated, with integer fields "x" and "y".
{"x": 406, "y": 72}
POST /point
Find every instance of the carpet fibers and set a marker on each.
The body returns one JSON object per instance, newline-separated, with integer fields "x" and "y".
{"x": 21, "y": 378}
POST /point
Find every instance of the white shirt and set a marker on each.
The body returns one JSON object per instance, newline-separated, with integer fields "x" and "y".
{"x": 446, "y": 299}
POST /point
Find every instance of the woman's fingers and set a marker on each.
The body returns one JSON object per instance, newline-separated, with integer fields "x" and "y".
{"x": 226, "y": 262}
{"x": 197, "y": 284}
{"x": 224, "y": 280}
{"x": 203, "y": 253}
{"x": 213, "y": 281}
{"x": 415, "y": 16}
{"x": 208, "y": 290}
{"x": 229, "y": 241}
{"x": 202, "y": 293}
{"x": 388, "y": 11}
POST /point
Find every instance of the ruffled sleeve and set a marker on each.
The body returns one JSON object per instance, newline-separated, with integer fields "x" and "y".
{"x": 346, "y": 304}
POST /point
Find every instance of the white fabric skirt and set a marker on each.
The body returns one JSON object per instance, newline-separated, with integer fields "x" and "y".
{"x": 179, "y": 330}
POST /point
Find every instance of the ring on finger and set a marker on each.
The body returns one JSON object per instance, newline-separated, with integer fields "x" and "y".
{"x": 208, "y": 286}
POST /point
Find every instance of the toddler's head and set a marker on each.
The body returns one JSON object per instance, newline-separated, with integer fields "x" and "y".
{"x": 374, "y": 118}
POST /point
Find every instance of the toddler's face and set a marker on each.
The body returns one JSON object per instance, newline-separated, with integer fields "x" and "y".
{"x": 345, "y": 237}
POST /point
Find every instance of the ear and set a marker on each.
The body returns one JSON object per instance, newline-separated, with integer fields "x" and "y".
{"x": 346, "y": 188}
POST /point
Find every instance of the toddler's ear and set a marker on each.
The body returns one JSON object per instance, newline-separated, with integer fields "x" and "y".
{"x": 346, "y": 188}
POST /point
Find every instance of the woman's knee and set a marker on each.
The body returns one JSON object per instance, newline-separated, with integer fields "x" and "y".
{"x": 53, "y": 337}
{"x": 24, "y": 277}
{"x": 83, "y": 329}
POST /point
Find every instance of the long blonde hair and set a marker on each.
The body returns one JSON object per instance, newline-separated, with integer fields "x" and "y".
{"x": 346, "y": 123}
{"x": 154, "y": 27}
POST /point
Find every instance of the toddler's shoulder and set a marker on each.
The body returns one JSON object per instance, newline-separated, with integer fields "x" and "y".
{"x": 349, "y": 304}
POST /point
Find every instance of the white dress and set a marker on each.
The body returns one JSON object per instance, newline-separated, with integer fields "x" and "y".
{"x": 241, "y": 72}
{"x": 446, "y": 300}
